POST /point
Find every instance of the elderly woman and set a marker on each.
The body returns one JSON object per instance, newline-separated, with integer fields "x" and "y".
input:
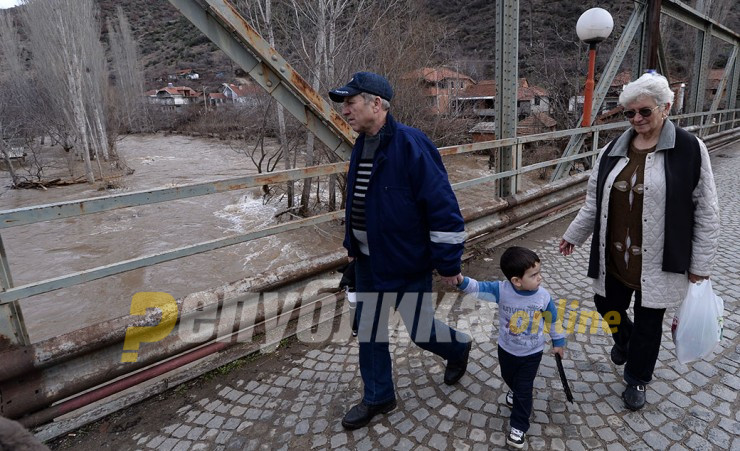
{"x": 651, "y": 206}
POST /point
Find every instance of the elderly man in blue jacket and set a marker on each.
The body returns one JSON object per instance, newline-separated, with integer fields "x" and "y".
{"x": 402, "y": 222}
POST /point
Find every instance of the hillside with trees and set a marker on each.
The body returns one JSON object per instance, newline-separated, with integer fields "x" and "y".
{"x": 129, "y": 47}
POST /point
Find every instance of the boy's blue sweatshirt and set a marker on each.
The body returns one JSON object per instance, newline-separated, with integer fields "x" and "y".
{"x": 522, "y": 315}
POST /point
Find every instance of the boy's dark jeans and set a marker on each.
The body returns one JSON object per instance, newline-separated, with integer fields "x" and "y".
{"x": 519, "y": 374}
{"x": 641, "y": 339}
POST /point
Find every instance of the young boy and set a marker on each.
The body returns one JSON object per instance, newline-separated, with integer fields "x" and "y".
{"x": 523, "y": 308}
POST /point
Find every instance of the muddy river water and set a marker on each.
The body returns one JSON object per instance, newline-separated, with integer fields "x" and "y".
{"x": 55, "y": 248}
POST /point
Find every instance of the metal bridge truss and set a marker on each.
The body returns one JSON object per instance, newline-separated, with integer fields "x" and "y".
{"x": 222, "y": 24}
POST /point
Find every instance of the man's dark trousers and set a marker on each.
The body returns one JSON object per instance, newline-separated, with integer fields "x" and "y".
{"x": 415, "y": 304}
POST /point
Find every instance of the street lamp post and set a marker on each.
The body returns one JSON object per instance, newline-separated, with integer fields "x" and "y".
{"x": 593, "y": 26}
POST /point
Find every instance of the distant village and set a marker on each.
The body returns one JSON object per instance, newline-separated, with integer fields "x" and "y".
{"x": 446, "y": 93}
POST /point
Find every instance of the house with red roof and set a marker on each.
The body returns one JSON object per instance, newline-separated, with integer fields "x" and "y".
{"x": 173, "y": 96}
{"x": 441, "y": 87}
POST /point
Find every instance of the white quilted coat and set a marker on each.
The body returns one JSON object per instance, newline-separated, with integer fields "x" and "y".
{"x": 659, "y": 289}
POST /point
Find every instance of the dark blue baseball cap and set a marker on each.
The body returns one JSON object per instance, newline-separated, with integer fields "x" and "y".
{"x": 363, "y": 82}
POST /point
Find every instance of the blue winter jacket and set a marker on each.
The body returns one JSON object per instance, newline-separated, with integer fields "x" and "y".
{"x": 413, "y": 220}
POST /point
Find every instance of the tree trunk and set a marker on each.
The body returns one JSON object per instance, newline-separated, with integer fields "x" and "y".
{"x": 319, "y": 53}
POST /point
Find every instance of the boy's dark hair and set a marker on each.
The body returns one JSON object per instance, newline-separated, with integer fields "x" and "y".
{"x": 516, "y": 260}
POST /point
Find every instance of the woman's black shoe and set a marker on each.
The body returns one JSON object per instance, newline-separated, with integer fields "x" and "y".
{"x": 361, "y": 414}
{"x": 618, "y": 355}
{"x": 634, "y": 397}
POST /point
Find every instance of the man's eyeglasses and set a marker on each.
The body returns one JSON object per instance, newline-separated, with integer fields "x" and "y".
{"x": 644, "y": 112}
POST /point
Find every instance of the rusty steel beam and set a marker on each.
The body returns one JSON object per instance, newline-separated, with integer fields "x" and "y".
{"x": 224, "y": 26}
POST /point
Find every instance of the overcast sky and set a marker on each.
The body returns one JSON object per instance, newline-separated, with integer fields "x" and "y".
{"x": 8, "y": 3}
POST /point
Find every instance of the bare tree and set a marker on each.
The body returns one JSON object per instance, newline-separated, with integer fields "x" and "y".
{"x": 260, "y": 14}
{"x": 13, "y": 90}
{"x": 129, "y": 89}
{"x": 65, "y": 44}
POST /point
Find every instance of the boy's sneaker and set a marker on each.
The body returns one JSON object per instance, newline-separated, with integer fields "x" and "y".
{"x": 515, "y": 438}
{"x": 510, "y": 399}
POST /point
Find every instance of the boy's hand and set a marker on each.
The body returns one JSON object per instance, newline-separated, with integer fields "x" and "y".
{"x": 559, "y": 350}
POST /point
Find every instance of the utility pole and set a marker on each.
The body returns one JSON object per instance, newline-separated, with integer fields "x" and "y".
{"x": 653, "y": 34}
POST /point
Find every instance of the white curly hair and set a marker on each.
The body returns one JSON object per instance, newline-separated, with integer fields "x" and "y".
{"x": 652, "y": 85}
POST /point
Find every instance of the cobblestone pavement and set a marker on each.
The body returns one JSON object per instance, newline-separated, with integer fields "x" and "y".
{"x": 689, "y": 407}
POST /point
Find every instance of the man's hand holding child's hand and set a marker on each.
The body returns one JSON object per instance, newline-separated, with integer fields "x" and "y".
{"x": 559, "y": 350}
{"x": 453, "y": 280}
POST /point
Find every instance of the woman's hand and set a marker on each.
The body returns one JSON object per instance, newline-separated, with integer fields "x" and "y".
{"x": 566, "y": 248}
{"x": 693, "y": 278}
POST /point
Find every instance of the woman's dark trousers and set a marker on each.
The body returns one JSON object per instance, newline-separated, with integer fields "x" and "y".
{"x": 641, "y": 338}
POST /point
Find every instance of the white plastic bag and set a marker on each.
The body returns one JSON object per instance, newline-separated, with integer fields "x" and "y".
{"x": 697, "y": 326}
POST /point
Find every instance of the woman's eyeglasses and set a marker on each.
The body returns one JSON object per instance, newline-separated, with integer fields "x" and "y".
{"x": 644, "y": 112}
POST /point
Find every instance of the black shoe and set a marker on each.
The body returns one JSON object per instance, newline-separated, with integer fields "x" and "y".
{"x": 619, "y": 356}
{"x": 456, "y": 370}
{"x": 634, "y": 397}
{"x": 361, "y": 414}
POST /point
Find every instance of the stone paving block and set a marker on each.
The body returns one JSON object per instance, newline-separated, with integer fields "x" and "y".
{"x": 585, "y": 432}
{"x": 606, "y": 434}
{"x": 318, "y": 441}
{"x": 677, "y": 447}
{"x": 733, "y": 427}
{"x": 724, "y": 393}
{"x": 419, "y": 433}
{"x": 696, "y": 442}
{"x": 731, "y": 380}
{"x": 557, "y": 444}
{"x": 168, "y": 444}
{"x": 216, "y": 422}
{"x": 181, "y": 432}
{"x": 656, "y": 440}
{"x": 404, "y": 445}
{"x": 338, "y": 440}
{"x": 156, "y": 441}
{"x": 448, "y": 411}
{"x": 615, "y": 447}
{"x": 445, "y": 426}
{"x": 719, "y": 437}
{"x": 463, "y": 416}
{"x": 702, "y": 413}
{"x": 434, "y": 402}
{"x": 695, "y": 424}
{"x": 626, "y": 435}
{"x": 498, "y": 438}
{"x": 438, "y": 441}
{"x": 387, "y": 440}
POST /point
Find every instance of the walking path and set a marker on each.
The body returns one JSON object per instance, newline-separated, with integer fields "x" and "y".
{"x": 299, "y": 403}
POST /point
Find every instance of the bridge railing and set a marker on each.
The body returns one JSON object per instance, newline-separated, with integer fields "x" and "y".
{"x": 12, "y": 327}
